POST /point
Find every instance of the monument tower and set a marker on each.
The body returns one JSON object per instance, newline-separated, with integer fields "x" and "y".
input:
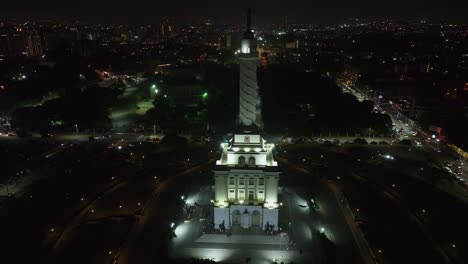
{"x": 246, "y": 175}
{"x": 249, "y": 102}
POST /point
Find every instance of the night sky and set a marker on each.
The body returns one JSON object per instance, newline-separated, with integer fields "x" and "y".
{"x": 228, "y": 11}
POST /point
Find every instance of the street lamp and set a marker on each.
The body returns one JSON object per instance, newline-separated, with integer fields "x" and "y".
{"x": 154, "y": 88}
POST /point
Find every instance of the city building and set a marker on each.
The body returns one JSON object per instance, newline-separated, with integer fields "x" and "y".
{"x": 4, "y": 46}
{"x": 246, "y": 175}
{"x": 167, "y": 30}
{"x": 33, "y": 44}
{"x": 16, "y": 42}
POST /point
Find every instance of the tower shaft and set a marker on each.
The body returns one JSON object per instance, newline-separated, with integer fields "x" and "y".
{"x": 248, "y": 91}
{"x": 249, "y": 101}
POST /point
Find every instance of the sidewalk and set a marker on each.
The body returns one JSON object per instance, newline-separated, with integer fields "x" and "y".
{"x": 366, "y": 252}
{"x": 243, "y": 239}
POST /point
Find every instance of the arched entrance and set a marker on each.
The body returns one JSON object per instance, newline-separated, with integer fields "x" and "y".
{"x": 241, "y": 161}
{"x": 256, "y": 218}
{"x": 236, "y": 217}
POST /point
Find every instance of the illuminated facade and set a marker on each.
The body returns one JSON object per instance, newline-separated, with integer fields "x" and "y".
{"x": 246, "y": 175}
{"x": 246, "y": 183}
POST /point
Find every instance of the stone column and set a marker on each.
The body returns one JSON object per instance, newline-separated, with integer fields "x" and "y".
{"x": 220, "y": 189}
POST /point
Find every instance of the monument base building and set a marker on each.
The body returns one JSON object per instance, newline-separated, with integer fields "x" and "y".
{"x": 246, "y": 184}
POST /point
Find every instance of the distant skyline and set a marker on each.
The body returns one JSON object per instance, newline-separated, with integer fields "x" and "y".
{"x": 272, "y": 11}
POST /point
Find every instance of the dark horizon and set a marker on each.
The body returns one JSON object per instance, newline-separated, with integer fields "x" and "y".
{"x": 334, "y": 11}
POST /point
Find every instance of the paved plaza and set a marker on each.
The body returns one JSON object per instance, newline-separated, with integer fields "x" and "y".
{"x": 239, "y": 245}
{"x": 281, "y": 240}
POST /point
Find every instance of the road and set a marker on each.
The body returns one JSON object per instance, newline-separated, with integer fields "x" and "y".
{"x": 406, "y": 130}
{"x": 84, "y": 137}
{"x": 393, "y": 196}
{"x": 331, "y": 217}
{"x": 146, "y": 243}
{"x": 403, "y": 130}
{"x": 76, "y": 221}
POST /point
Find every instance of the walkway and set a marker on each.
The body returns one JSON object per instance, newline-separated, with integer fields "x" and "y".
{"x": 243, "y": 239}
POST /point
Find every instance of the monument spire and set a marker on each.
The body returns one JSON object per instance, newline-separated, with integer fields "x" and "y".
{"x": 249, "y": 21}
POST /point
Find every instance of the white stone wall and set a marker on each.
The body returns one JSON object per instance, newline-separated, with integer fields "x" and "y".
{"x": 220, "y": 215}
{"x": 260, "y": 159}
{"x": 271, "y": 190}
{"x": 246, "y": 219}
{"x": 256, "y": 187}
{"x": 253, "y": 139}
{"x": 221, "y": 196}
{"x": 263, "y": 153}
{"x": 270, "y": 216}
{"x": 226, "y": 214}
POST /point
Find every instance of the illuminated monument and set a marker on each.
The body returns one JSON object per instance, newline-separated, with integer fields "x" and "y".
{"x": 249, "y": 101}
{"x": 246, "y": 176}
